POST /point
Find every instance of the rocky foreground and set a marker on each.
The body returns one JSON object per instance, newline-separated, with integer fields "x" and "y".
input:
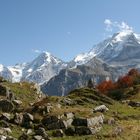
{"x": 84, "y": 114}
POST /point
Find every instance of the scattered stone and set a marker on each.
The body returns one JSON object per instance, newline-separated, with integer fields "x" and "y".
{"x": 50, "y": 119}
{"x": 79, "y": 122}
{"x": 29, "y": 131}
{"x": 117, "y": 131}
{"x": 6, "y": 106}
{"x": 18, "y": 119}
{"x": 24, "y": 136}
{"x": 28, "y": 117}
{"x": 58, "y": 133}
{"x": 69, "y": 115}
{"x": 69, "y": 122}
{"x": 41, "y": 131}
{"x": 111, "y": 121}
{"x": 125, "y": 101}
{"x": 95, "y": 121}
{"x": 4, "y": 124}
{"x": 83, "y": 131}
{"x": 134, "y": 104}
{"x": 37, "y": 137}
{"x": 8, "y": 130}
{"x": 70, "y": 131}
{"x": 67, "y": 101}
{"x": 59, "y": 106}
{"x": 10, "y": 138}
{"x": 5, "y": 131}
{"x": 5, "y": 117}
{"x": 17, "y": 103}
{"x": 2, "y": 137}
{"x": 57, "y": 125}
{"x": 101, "y": 108}
{"x": 27, "y": 120}
{"x": 3, "y": 90}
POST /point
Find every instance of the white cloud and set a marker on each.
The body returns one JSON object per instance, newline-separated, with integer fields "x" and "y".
{"x": 36, "y": 51}
{"x": 121, "y": 26}
{"x": 108, "y": 24}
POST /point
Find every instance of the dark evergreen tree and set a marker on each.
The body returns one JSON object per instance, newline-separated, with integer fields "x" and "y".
{"x": 90, "y": 84}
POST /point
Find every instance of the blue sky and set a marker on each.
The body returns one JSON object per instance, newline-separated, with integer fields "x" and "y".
{"x": 63, "y": 27}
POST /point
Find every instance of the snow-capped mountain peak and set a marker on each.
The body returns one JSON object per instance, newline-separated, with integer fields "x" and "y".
{"x": 121, "y": 36}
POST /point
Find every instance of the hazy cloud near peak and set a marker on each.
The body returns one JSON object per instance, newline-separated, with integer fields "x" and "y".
{"x": 121, "y": 26}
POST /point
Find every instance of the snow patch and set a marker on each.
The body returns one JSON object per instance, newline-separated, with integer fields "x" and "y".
{"x": 1, "y": 67}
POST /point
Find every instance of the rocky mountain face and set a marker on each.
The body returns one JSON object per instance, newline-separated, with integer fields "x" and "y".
{"x": 43, "y": 68}
{"x": 5, "y": 72}
{"x": 70, "y": 79}
{"x": 40, "y": 70}
{"x": 108, "y": 59}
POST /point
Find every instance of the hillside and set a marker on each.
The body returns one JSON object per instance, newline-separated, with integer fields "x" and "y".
{"x": 83, "y": 114}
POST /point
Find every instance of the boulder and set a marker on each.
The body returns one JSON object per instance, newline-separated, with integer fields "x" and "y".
{"x": 111, "y": 121}
{"x": 5, "y": 131}
{"x": 61, "y": 124}
{"x": 18, "y": 118}
{"x": 3, "y": 90}
{"x": 29, "y": 131}
{"x": 6, "y": 106}
{"x": 5, "y": 117}
{"x": 2, "y": 137}
{"x": 27, "y": 120}
{"x": 41, "y": 131}
{"x": 17, "y": 103}
{"x": 69, "y": 122}
{"x": 24, "y": 136}
{"x": 28, "y": 117}
{"x": 70, "y": 131}
{"x": 79, "y": 122}
{"x": 68, "y": 101}
{"x": 37, "y": 137}
{"x": 134, "y": 104}
{"x": 95, "y": 121}
{"x": 10, "y": 138}
{"x": 86, "y": 130}
{"x": 89, "y": 122}
{"x": 69, "y": 115}
{"x": 4, "y": 124}
{"x": 50, "y": 119}
{"x": 101, "y": 108}
{"x": 58, "y": 133}
{"x": 117, "y": 131}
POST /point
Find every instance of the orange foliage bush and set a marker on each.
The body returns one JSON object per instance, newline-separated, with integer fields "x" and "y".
{"x": 130, "y": 79}
{"x": 105, "y": 86}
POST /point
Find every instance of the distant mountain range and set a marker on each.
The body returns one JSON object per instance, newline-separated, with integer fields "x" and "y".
{"x": 107, "y": 60}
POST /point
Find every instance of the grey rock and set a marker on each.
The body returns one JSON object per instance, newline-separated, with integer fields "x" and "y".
{"x": 58, "y": 133}
{"x": 70, "y": 131}
{"x": 3, "y": 90}
{"x": 89, "y": 122}
{"x": 18, "y": 118}
{"x": 17, "y": 103}
{"x": 61, "y": 124}
{"x": 117, "y": 131}
{"x": 50, "y": 119}
{"x": 2, "y": 137}
{"x": 24, "y": 136}
{"x": 37, "y": 137}
{"x": 6, "y": 106}
{"x": 134, "y": 104}
{"x": 5, "y": 117}
{"x": 41, "y": 131}
{"x": 69, "y": 115}
{"x": 101, "y": 108}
